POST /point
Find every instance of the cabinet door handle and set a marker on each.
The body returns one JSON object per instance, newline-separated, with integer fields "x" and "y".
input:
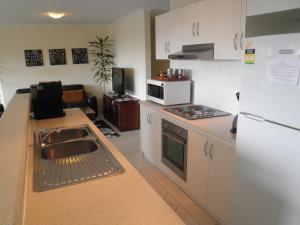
{"x": 168, "y": 46}
{"x": 211, "y": 151}
{"x": 242, "y": 40}
{"x": 198, "y": 29}
{"x": 235, "y": 41}
{"x": 150, "y": 119}
{"x": 193, "y": 29}
{"x": 205, "y": 149}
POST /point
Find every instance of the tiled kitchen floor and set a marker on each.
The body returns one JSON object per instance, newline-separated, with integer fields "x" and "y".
{"x": 186, "y": 208}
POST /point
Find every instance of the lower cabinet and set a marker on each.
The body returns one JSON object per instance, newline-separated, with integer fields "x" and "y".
{"x": 151, "y": 134}
{"x": 210, "y": 173}
{"x": 210, "y": 164}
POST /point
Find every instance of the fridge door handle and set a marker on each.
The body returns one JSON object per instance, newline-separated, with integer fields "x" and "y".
{"x": 253, "y": 116}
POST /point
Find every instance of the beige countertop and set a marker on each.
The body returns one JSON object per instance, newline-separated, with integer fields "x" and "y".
{"x": 13, "y": 142}
{"x": 125, "y": 199}
{"x": 217, "y": 126}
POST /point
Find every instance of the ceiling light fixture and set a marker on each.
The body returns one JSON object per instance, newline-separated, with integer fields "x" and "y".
{"x": 56, "y": 15}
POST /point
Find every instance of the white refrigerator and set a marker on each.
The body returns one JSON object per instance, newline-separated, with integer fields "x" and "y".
{"x": 267, "y": 181}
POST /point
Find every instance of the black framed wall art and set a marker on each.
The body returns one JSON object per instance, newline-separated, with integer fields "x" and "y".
{"x": 57, "y": 56}
{"x": 34, "y": 57}
{"x": 80, "y": 56}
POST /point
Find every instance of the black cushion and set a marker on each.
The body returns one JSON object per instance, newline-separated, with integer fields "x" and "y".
{"x": 75, "y": 104}
{"x": 23, "y": 91}
{"x": 73, "y": 87}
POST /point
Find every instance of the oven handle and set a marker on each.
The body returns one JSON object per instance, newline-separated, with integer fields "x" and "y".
{"x": 173, "y": 137}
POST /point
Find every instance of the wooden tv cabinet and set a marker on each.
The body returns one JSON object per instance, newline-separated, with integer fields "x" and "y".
{"x": 124, "y": 113}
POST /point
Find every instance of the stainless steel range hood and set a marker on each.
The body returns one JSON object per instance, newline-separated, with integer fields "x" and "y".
{"x": 194, "y": 52}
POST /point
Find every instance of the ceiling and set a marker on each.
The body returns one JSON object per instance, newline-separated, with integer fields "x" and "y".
{"x": 78, "y": 11}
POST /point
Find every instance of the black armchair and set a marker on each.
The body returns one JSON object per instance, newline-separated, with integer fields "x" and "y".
{"x": 75, "y": 96}
{"x": 1, "y": 109}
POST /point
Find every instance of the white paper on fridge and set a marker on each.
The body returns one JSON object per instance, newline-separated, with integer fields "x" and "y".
{"x": 283, "y": 70}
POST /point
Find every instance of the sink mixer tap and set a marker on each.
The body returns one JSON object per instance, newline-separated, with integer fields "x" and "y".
{"x": 42, "y": 139}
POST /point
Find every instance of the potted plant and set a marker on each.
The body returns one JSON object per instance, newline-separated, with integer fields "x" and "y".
{"x": 102, "y": 58}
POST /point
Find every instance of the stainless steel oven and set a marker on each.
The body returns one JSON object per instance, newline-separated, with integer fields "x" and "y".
{"x": 174, "y": 148}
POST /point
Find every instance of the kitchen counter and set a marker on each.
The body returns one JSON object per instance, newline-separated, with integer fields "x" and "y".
{"x": 125, "y": 199}
{"x": 14, "y": 125}
{"x": 217, "y": 126}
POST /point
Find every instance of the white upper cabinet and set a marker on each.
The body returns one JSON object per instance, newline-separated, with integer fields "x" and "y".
{"x": 228, "y": 32}
{"x": 207, "y": 21}
{"x": 167, "y": 35}
{"x": 196, "y": 23}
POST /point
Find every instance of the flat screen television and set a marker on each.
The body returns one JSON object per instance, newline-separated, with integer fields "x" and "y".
{"x": 118, "y": 80}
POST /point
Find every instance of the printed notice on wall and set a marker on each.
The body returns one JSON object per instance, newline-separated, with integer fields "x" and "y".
{"x": 284, "y": 70}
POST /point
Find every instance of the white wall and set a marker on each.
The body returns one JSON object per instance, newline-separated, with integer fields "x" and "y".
{"x": 215, "y": 82}
{"x": 15, "y": 39}
{"x": 131, "y": 35}
{"x": 175, "y": 4}
{"x": 255, "y": 7}
{"x": 1, "y": 93}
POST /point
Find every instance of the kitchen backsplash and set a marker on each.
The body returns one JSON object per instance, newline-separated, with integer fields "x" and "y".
{"x": 215, "y": 82}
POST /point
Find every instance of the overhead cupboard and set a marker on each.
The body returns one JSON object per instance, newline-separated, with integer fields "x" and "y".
{"x": 221, "y": 22}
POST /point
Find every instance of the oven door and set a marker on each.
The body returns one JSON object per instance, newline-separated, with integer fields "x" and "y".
{"x": 174, "y": 153}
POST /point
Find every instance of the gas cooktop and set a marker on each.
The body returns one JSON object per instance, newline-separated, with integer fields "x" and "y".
{"x": 194, "y": 112}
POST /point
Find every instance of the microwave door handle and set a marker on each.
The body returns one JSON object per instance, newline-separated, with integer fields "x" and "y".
{"x": 174, "y": 138}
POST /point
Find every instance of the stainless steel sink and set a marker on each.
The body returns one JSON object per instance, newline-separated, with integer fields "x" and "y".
{"x": 62, "y": 134}
{"x": 75, "y": 156}
{"x": 69, "y": 148}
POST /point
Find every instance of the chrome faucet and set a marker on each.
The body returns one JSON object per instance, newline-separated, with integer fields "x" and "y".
{"x": 58, "y": 130}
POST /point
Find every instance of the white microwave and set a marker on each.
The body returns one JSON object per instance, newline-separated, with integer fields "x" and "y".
{"x": 169, "y": 92}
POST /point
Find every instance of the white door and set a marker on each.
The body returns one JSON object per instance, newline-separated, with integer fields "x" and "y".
{"x": 196, "y": 22}
{"x": 220, "y": 178}
{"x": 267, "y": 180}
{"x": 187, "y": 21}
{"x": 227, "y": 29}
{"x": 151, "y": 135}
{"x": 167, "y": 33}
{"x": 1, "y": 93}
{"x": 273, "y": 101}
{"x": 206, "y": 19}
{"x": 242, "y": 35}
{"x": 197, "y": 169}
{"x": 162, "y": 32}
{"x": 155, "y": 124}
{"x": 145, "y": 130}
{"x": 174, "y": 42}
